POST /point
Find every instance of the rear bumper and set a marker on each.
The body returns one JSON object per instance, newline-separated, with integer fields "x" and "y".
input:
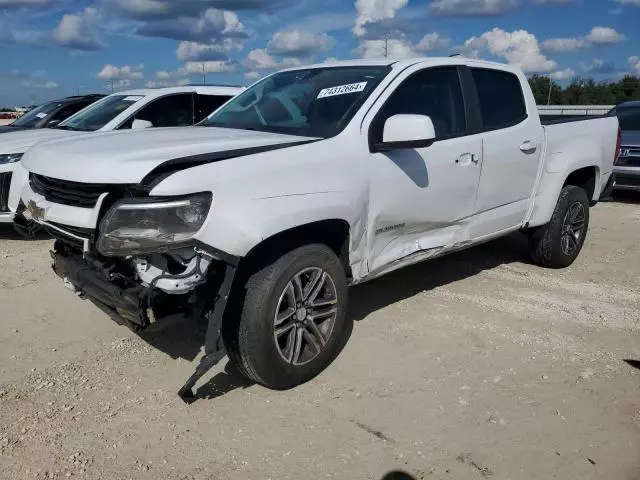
{"x": 627, "y": 178}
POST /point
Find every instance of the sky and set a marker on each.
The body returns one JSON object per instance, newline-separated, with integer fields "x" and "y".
{"x": 55, "y": 48}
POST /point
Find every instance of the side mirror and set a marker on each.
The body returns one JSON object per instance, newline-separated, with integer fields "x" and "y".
{"x": 141, "y": 124}
{"x": 406, "y": 131}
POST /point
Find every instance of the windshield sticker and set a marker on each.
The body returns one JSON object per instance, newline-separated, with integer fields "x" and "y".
{"x": 132, "y": 98}
{"x": 41, "y": 115}
{"x": 342, "y": 90}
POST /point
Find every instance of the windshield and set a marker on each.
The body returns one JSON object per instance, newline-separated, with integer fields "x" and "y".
{"x": 629, "y": 118}
{"x": 31, "y": 118}
{"x": 97, "y": 115}
{"x": 316, "y": 102}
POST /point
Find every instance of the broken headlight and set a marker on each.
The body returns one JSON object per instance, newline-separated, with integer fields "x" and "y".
{"x": 145, "y": 226}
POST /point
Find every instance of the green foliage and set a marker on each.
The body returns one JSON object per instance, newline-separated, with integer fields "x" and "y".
{"x": 585, "y": 91}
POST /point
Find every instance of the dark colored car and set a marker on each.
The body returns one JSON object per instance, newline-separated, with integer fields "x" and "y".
{"x": 627, "y": 168}
{"x": 50, "y": 114}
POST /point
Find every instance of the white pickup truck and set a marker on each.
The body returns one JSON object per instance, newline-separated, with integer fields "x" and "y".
{"x": 133, "y": 109}
{"x": 311, "y": 180}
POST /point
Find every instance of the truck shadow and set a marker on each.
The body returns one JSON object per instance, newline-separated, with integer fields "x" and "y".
{"x": 625, "y": 196}
{"x": 405, "y": 283}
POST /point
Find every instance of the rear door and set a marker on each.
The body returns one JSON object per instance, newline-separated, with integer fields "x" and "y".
{"x": 512, "y": 140}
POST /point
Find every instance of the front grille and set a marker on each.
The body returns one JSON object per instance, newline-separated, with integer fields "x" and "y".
{"x": 65, "y": 233}
{"x": 629, "y": 156}
{"x": 74, "y": 194}
{"x": 5, "y": 183}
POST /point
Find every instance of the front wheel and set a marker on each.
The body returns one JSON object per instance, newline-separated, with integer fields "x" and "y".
{"x": 294, "y": 318}
{"x": 558, "y": 243}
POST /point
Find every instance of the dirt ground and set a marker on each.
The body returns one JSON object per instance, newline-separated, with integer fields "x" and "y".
{"x": 477, "y": 365}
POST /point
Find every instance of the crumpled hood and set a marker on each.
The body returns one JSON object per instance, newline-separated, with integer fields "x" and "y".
{"x": 128, "y": 156}
{"x": 22, "y": 140}
{"x": 631, "y": 138}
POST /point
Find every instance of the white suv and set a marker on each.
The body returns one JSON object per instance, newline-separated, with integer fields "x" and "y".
{"x": 133, "y": 109}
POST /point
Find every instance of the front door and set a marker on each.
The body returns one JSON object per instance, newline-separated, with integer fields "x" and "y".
{"x": 421, "y": 199}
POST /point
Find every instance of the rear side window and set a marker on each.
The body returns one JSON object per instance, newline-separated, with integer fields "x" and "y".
{"x": 501, "y": 100}
{"x": 207, "y": 104}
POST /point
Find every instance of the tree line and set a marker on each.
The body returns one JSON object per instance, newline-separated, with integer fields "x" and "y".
{"x": 585, "y": 91}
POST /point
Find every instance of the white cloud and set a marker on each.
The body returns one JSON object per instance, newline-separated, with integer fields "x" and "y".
{"x": 431, "y": 42}
{"x": 299, "y": 43}
{"x": 125, "y": 72}
{"x": 559, "y": 2}
{"x": 119, "y": 85}
{"x": 80, "y": 31}
{"x": 330, "y": 60}
{"x": 45, "y": 86}
{"x": 563, "y": 44}
{"x": 260, "y": 59}
{"x": 634, "y": 63}
{"x": 252, "y": 75}
{"x": 471, "y": 8}
{"x": 24, "y": 3}
{"x": 164, "y": 75}
{"x": 220, "y": 66}
{"x": 212, "y": 24}
{"x": 400, "y": 47}
{"x": 604, "y": 36}
{"x": 598, "y": 66}
{"x": 565, "y": 74}
{"x": 519, "y": 48}
{"x": 370, "y": 11}
{"x": 182, "y": 82}
{"x": 596, "y": 37}
{"x": 196, "y": 51}
{"x": 629, "y": 2}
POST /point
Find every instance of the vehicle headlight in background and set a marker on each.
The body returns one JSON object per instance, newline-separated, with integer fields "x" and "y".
{"x": 152, "y": 225}
{"x": 10, "y": 157}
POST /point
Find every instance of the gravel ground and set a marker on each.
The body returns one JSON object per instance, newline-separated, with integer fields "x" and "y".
{"x": 477, "y": 365}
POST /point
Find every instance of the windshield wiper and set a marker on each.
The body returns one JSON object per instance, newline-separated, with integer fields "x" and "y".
{"x": 73, "y": 129}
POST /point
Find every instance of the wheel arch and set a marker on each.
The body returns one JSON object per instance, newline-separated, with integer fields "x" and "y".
{"x": 332, "y": 232}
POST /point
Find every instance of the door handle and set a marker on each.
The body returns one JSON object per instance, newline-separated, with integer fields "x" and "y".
{"x": 467, "y": 158}
{"x": 528, "y": 147}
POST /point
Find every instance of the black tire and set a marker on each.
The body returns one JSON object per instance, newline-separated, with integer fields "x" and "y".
{"x": 250, "y": 339}
{"x": 548, "y": 247}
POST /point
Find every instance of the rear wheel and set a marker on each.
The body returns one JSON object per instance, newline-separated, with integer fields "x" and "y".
{"x": 293, "y": 321}
{"x": 559, "y": 243}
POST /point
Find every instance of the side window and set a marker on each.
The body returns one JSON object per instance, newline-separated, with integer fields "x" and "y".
{"x": 435, "y": 92}
{"x": 207, "y": 104}
{"x": 66, "y": 112}
{"x": 170, "y": 111}
{"x": 501, "y": 100}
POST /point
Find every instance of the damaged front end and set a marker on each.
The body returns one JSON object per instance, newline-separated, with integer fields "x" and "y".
{"x": 138, "y": 291}
{"x": 142, "y": 261}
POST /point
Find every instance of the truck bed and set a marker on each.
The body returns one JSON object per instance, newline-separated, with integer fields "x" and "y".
{"x": 555, "y": 119}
